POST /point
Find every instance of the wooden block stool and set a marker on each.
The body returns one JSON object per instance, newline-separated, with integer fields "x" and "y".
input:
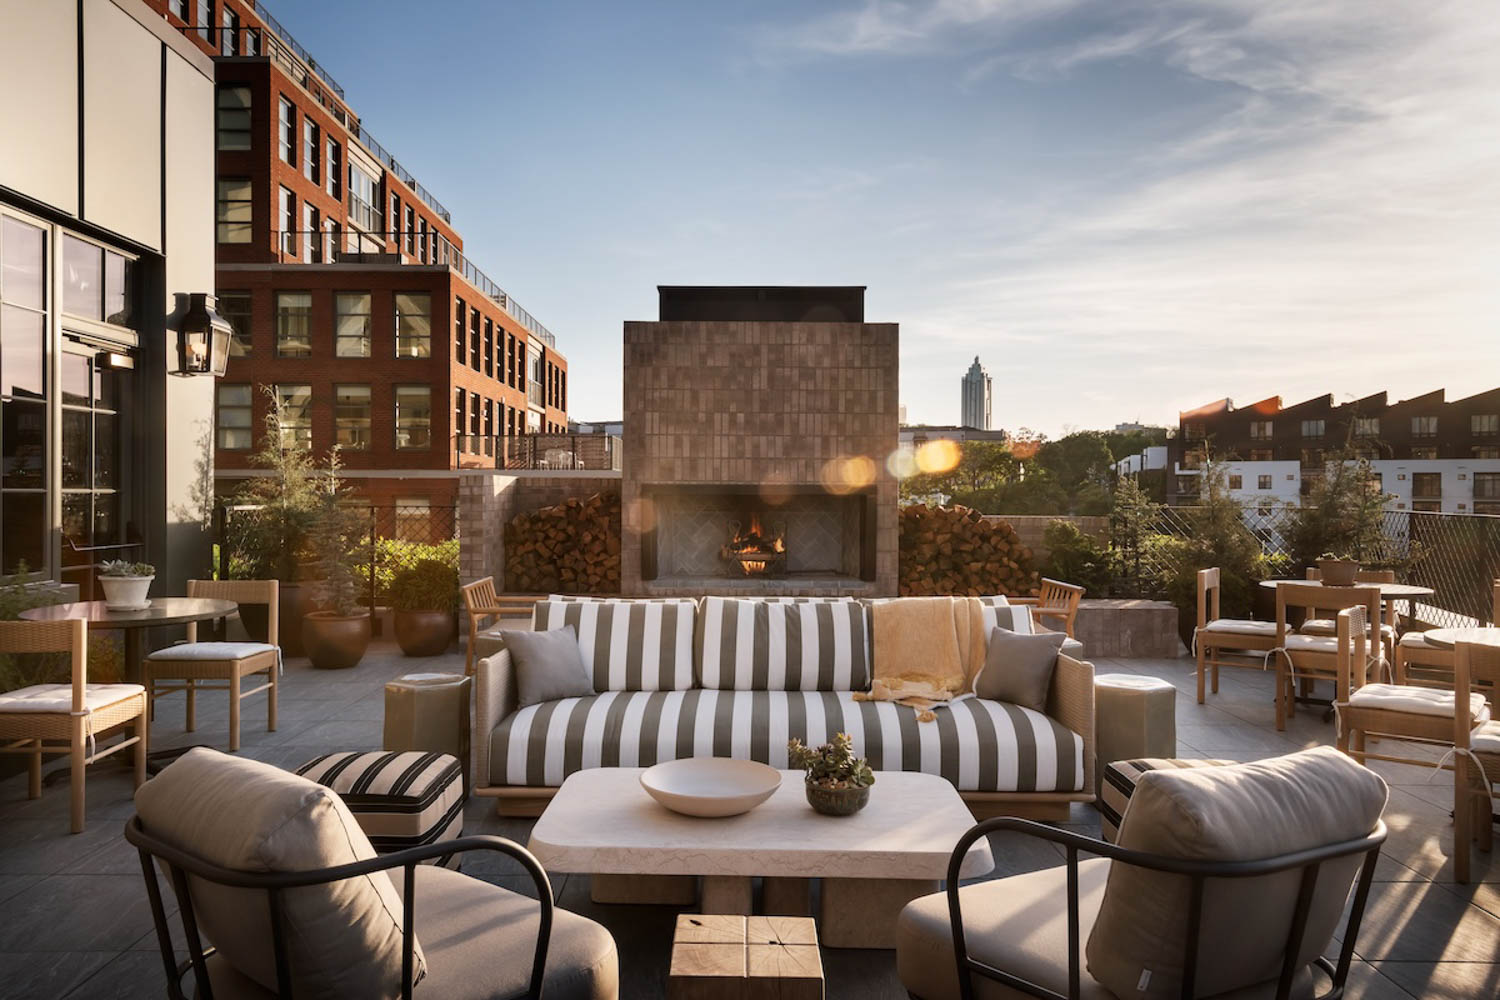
{"x": 1120, "y": 778}
{"x": 1134, "y": 717}
{"x": 730, "y": 957}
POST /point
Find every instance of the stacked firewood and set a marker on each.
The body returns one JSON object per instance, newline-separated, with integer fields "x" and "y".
{"x": 956, "y": 551}
{"x": 572, "y": 547}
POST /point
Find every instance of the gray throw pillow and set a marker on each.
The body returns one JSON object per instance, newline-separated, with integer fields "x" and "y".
{"x": 547, "y": 665}
{"x": 1018, "y": 668}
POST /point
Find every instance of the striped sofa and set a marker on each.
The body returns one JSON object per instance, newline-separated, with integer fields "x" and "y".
{"x": 738, "y": 677}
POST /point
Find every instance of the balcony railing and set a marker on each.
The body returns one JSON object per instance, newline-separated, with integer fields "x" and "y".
{"x": 575, "y": 452}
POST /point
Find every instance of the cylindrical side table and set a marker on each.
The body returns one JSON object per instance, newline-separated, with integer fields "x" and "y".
{"x": 1134, "y": 717}
{"x": 429, "y": 712}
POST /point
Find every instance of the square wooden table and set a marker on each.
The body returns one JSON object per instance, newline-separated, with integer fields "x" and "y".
{"x": 719, "y": 956}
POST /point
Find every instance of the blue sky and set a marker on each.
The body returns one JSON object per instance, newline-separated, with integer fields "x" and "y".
{"x": 1124, "y": 208}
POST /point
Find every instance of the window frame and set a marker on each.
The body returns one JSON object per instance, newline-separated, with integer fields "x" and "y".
{"x": 340, "y": 314}
{"x": 302, "y": 428}
{"x": 280, "y": 313}
{"x": 223, "y": 111}
{"x": 248, "y": 409}
{"x": 286, "y": 130}
{"x": 397, "y": 391}
{"x": 343, "y": 421}
{"x": 241, "y": 342}
{"x": 397, "y": 316}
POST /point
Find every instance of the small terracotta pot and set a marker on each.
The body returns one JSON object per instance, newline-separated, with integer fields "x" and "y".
{"x": 1338, "y": 572}
{"x": 837, "y": 801}
{"x": 424, "y": 633}
{"x": 334, "y": 642}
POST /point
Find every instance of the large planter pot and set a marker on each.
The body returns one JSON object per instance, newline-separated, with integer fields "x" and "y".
{"x": 837, "y": 801}
{"x": 333, "y": 641}
{"x": 126, "y": 593}
{"x": 1338, "y": 572}
{"x": 424, "y": 633}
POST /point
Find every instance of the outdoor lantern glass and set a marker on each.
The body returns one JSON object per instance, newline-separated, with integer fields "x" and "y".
{"x": 203, "y": 340}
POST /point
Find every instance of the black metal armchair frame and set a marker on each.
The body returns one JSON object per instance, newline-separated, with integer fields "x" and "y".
{"x": 180, "y": 864}
{"x": 1198, "y": 872}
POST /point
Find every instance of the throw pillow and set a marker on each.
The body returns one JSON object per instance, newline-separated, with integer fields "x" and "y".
{"x": 547, "y": 665}
{"x": 1018, "y": 668}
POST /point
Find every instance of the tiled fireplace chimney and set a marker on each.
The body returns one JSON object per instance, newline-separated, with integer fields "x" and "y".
{"x": 758, "y": 421}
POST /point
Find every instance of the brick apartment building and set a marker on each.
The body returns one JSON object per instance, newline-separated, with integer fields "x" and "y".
{"x": 348, "y": 288}
{"x": 1430, "y": 454}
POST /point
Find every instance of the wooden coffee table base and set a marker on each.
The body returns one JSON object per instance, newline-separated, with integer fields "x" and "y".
{"x": 719, "y": 956}
{"x": 862, "y": 912}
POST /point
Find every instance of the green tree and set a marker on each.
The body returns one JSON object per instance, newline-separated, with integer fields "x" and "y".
{"x": 269, "y": 536}
{"x": 1218, "y": 537}
{"x": 1343, "y": 512}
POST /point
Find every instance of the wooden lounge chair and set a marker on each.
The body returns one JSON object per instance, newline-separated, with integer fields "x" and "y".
{"x": 1057, "y": 601}
{"x": 482, "y": 602}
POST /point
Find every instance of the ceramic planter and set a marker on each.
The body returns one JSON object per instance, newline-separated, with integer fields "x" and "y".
{"x": 126, "y": 593}
{"x": 1338, "y": 572}
{"x": 333, "y": 641}
{"x": 837, "y": 801}
{"x": 424, "y": 633}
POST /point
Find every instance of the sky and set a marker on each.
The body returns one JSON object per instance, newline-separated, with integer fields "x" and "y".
{"x": 1123, "y": 208}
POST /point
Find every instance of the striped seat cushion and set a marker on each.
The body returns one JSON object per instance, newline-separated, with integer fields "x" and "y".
{"x": 1120, "y": 778}
{"x": 783, "y": 645}
{"x": 628, "y": 645}
{"x": 977, "y": 745}
{"x": 400, "y": 798}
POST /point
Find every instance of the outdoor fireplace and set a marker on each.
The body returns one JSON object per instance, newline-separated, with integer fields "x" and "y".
{"x": 758, "y": 422}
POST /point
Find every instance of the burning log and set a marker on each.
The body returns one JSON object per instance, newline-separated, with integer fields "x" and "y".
{"x": 955, "y": 551}
{"x": 754, "y": 549}
{"x": 572, "y": 547}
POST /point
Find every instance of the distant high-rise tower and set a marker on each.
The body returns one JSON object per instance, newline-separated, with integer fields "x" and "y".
{"x": 976, "y": 398}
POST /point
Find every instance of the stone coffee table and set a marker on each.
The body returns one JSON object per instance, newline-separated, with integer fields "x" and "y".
{"x": 602, "y": 823}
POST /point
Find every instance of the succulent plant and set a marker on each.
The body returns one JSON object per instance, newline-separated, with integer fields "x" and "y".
{"x": 832, "y": 765}
{"x": 124, "y": 567}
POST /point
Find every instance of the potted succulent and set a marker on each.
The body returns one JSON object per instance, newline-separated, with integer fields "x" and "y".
{"x": 425, "y": 598}
{"x": 126, "y": 584}
{"x": 336, "y": 636}
{"x": 837, "y": 783}
{"x": 1338, "y": 569}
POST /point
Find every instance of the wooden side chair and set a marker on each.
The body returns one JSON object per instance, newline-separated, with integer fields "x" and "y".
{"x": 1476, "y": 761}
{"x": 1244, "y": 640}
{"x": 1302, "y": 659}
{"x": 1420, "y": 662}
{"x": 67, "y": 718}
{"x": 1324, "y": 624}
{"x": 195, "y": 666}
{"x": 1057, "y": 601}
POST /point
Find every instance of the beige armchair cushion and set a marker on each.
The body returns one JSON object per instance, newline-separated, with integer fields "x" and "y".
{"x": 343, "y": 938}
{"x": 1238, "y": 812}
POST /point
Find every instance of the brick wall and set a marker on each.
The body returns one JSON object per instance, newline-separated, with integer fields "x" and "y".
{"x": 1031, "y": 527}
{"x": 487, "y": 501}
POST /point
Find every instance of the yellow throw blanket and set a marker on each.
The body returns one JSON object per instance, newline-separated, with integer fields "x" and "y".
{"x": 927, "y": 651}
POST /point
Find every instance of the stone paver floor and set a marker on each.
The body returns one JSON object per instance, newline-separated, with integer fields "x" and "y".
{"x": 76, "y": 922}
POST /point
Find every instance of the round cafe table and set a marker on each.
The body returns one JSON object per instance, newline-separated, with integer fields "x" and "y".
{"x": 163, "y": 611}
{"x": 1447, "y": 638}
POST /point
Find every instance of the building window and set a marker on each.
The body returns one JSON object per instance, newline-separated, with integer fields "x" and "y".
{"x": 1312, "y": 428}
{"x": 1487, "y": 451}
{"x": 1236, "y": 482}
{"x": 489, "y": 426}
{"x": 413, "y": 416}
{"x": 1423, "y": 451}
{"x": 408, "y": 233}
{"x": 351, "y": 417}
{"x": 1312, "y": 458}
{"x": 413, "y": 519}
{"x": 287, "y": 132}
{"x": 235, "y": 308}
{"x": 563, "y": 390}
{"x": 474, "y": 342}
{"x": 1367, "y": 427}
{"x": 229, "y": 45}
{"x": 288, "y": 223}
{"x": 184, "y": 10}
{"x": 413, "y": 325}
{"x": 232, "y": 118}
{"x": 1487, "y": 486}
{"x": 363, "y": 212}
{"x": 1260, "y": 430}
{"x": 330, "y": 254}
{"x": 252, "y": 41}
{"x": 351, "y": 320}
{"x": 25, "y": 273}
{"x": 1260, "y": 455}
{"x": 489, "y": 347}
{"x": 395, "y": 222}
{"x": 206, "y": 20}
{"x": 311, "y": 144}
{"x": 312, "y": 246}
{"x": 233, "y": 421}
{"x": 1424, "y": 427}
{"x": 1484, "y": 424}
{"x": 460, "y": 310}
{"x": 296, "y": 415}
{"x": 460, "y": 404}
{"x": 98, "y": 284}
{"x": 422, "y": 239}
{"x": 1426, "y": 485}
{"x": 293, "y": 324}
{"x": 1262, "y": 482}
{"x": 474, "y": 411}
{"x": 335, "y": 169}
{"x": 234, "y": 210}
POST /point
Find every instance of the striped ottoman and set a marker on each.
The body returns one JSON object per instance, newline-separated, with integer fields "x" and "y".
{"x": 401, "y": 799}
{"x": 1119, "y": 782}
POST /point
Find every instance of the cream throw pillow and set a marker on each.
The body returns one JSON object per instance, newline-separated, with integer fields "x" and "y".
{"x": 343, "y": 938}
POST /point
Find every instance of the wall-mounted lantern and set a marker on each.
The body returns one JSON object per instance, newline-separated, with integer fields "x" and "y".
{"x": 203, "y": 338}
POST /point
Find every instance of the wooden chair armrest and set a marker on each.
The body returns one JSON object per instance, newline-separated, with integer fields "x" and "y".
{"x": 1028, "y": 601}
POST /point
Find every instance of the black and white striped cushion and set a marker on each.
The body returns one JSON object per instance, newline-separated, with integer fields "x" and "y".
{"x": 977, "y": 745}
{"x": 400, "y": 798}
{"x": 628, "y": 645}
{"x": 783, "y": 645}
{"x": 1118, "y": 785}
{"x": 1016, "y": 617}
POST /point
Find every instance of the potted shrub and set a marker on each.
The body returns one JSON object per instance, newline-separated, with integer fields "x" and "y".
{"x": 336, "y": 636}
{"x": 837, "y": 783}
{"x": 425, "y": 598}
{"x": 1337, "y": 569}
{"x": 126, "y": 584}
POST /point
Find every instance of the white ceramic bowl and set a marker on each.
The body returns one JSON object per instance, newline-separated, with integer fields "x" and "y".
{"x": 710, "y": 786}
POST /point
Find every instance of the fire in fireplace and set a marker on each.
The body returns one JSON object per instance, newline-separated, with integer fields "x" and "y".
{"x": 755, "y": 549}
